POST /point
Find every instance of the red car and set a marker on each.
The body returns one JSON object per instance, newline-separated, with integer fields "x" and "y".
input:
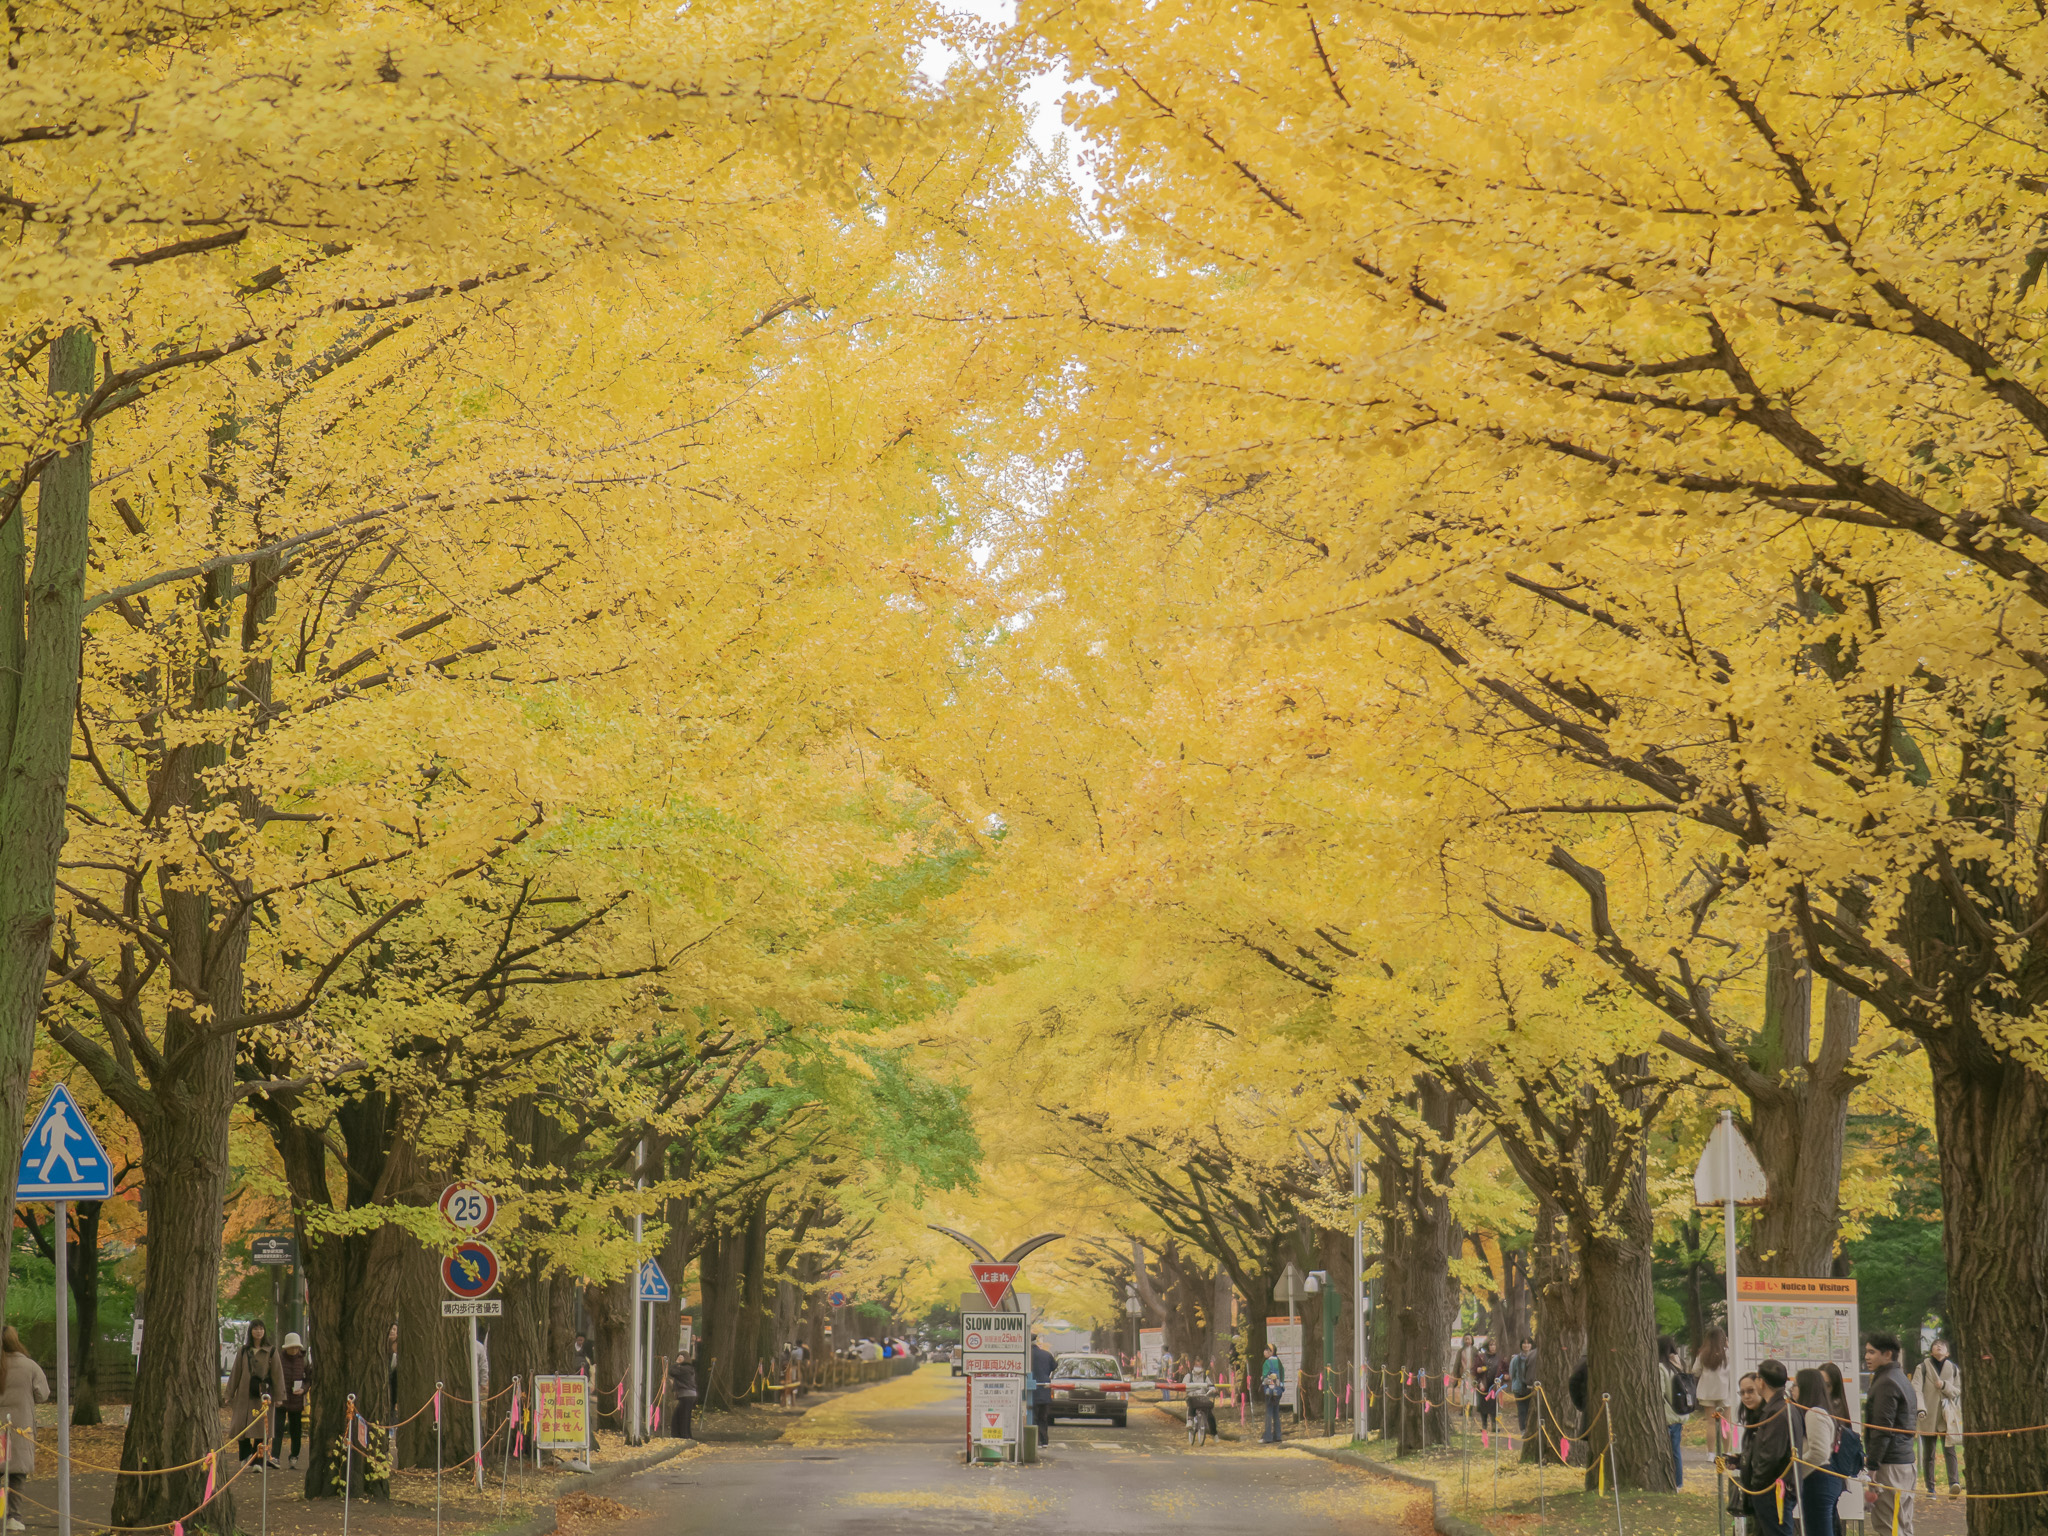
{"x": 1090, "y": 1387}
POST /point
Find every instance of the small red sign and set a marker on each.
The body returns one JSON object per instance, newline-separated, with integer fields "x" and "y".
{"x": 994, "y": 1280}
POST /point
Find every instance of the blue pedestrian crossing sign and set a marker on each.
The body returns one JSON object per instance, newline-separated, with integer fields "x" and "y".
{"x": 653, "y": 1283}
{"x": 61, "y": 1159}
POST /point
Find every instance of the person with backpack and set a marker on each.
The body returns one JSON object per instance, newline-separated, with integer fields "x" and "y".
{"x": 1848, "y": 1457}
{"x": 1522, "y": 1383}
{"x": 1272, "y": 1385}
{"x": 1681, "y": 1396}
{"x": 1816, "y": 1435}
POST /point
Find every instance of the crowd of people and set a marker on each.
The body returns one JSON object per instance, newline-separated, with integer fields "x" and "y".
{"x": 1792, "y": 1444}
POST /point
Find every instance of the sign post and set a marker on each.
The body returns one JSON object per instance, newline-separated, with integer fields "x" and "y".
{"x": 995, "y": 1355}
{"x": 279, "y": 1252}
{"x": 471, "y": 1274}
{"x": 636, "y": 1410}
{"x": 651, "y": 1291}
{"x": 992, "y": 1277}
{"x": 1729, "y": 1175}
{"x": 61, "y": 1161}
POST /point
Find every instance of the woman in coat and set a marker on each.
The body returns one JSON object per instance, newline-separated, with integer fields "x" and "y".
{"x": 24, "y": 1387}
{"x": 682, "y": 1396}
{"x": 1938, "y": 1384}
{"x": 1710, "y": 1369}
{"x": 255, "y": 1377}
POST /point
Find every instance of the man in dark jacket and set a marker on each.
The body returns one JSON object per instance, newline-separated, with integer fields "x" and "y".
{"x": 1042, "y": 1366}
{"x": 1890, "y": 1419}
{"x": 1767, "y": 1456}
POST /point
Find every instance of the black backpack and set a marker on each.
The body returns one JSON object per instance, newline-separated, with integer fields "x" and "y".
{"x": 1847, "y": 1458}
{"x": 1685, "y": 1391}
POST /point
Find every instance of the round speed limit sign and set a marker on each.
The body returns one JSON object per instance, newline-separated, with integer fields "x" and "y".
{"x": 468, "y": 1208}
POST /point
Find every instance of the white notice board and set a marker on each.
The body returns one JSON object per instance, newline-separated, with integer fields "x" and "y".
{"x": 1152, "y": 1353}
{"x": 1804, "y": 1323}
{"x": 1284, "y": 1334}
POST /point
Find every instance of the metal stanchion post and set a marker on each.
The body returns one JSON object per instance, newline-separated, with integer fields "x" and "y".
{"x": 1720, "y": 1482}
{"x": 1540, "y": 1510}
{"x": 511, "y": 1421}
{"x": 348, "y": 1459}
{"x": 263, "y": 1452}
{"x": 1613, "y": 1460}
{"x": 437, "y": 1459}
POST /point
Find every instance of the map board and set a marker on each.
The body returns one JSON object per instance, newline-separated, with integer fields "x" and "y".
{"x": 1284, "y": 1334}
{"x": 1804, "y": 1323}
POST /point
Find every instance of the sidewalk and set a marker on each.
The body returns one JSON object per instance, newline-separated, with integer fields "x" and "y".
{"x": 408, "y": 1512}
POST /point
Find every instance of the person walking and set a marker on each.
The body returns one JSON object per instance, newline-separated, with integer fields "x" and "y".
{"x": 1938, "y": 1384}
{"x": 288, "y": 1410}
{"x": 1522, "y": 1384}
{"x": 23, "y": 1386}
{"x": 682, "y": 1396}
{"x": 1043, "y": 1364}
{"x": 1272, "y": 1386}
{"x": 1889, "y": 1422}
{"x": 391, "y": 1362}
{"x": 1487, "y": 1368}
{"x": 1465, "y": 1372}
{"x": 1769, "y": 1490}
{"x": 1669, "y": 1368}
{"x": 1817, "y": 1435}
{"x": 1710, "y": 1373}
{"x": 253, "y": 1378}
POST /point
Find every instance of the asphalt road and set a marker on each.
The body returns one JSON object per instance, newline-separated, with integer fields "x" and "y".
{"x": 887, "y": 1459}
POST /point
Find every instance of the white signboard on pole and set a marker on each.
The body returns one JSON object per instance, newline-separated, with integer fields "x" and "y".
{"x": 1804, "y": 1323}
{"x": 1284, "y": 1334}
{"x": 1152, "y": 1353}
{"x": 995, "y": 1343}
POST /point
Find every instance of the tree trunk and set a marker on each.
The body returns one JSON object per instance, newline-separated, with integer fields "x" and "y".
{"x": 1419, "y": 1236}
{"x": 1623, "y": 1387}
{"x": 1222, "y": 1324}
{"x": 40, "y": 647}
{"x": 1991, "y": 1116}
{"x": 561, "y": 1323}
{"x": 1559, "y": 1297}
{"x": 84, "y": 1264}
{"x": 749, "y": 1334}
{"x": 185, "y": 1165}
{"x": 718, "y": 1272}
{"x": 611, "y": 1335}
{"x": 432, "y": 1350}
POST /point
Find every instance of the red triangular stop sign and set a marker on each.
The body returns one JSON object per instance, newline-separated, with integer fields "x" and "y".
{"x": 994, "y": 1280}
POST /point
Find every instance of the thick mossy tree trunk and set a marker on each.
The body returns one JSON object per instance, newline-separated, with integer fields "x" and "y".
{"x": 752, "y": 1336}
{"x": 1623, "y": 1387}
{"x": 1558, "y": 1295}
{"x": 1798, "y": 1112}
{"x": 718, "y": 1270}
{"x": 41, "y": 614}
{"x": 432, "y": 1350}
{"x": 1419, "y": 1235}
{"x": 185, "y": 1165}
{"x": 352, "y": 1276}
{"x": 1991, "y": 1119}
{"x": 611, "y": 1323}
